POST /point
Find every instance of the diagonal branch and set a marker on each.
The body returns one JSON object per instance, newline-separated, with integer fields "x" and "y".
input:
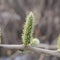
{"x": 46, "y": 51}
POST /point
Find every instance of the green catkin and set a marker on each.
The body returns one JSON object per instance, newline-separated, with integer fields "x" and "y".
{"x": 58, "y": 43}
{"x": 28, "y": 29}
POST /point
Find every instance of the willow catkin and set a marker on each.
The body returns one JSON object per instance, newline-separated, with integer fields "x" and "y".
{"x": 58, "y": 43}
{"x": 28, "y": 29}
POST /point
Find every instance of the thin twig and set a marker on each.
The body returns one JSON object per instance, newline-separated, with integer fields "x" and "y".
{"x": 35, "y": 49}
{"x": 40, "y": 50}
{"x": 44, "y": 46}
{"x": 12, "y": 46}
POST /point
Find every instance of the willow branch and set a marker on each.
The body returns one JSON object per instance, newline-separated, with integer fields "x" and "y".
{"x": 12, "y": 46}
{"x": 46, "y": 51}
{"x": 44, "y": 46}
{"x": 34, "y": 49}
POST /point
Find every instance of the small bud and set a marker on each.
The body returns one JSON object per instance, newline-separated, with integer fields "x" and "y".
{"x": 35, "y": 42}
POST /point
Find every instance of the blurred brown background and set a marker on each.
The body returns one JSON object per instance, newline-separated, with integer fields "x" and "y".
{"x": 12, "y": 18}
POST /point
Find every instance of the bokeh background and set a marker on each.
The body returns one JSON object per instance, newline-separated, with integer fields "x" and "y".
{"x": 12, "y": 17}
